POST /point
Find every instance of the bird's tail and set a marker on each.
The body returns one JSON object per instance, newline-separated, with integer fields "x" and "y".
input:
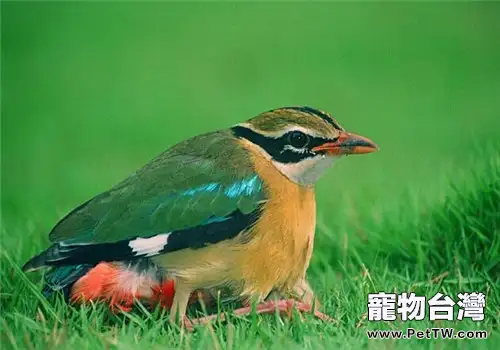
{"x": 39, "y": 261}
{"x": 62, "y": 279}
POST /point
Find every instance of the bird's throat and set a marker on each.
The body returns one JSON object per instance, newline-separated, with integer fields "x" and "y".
{"x": 307, "y": 171}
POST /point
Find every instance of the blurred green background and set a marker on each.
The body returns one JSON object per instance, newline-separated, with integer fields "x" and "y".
{"x": 92, "y": 91}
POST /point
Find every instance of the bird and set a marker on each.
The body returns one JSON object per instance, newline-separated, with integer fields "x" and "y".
{"x": 231, "y": 211}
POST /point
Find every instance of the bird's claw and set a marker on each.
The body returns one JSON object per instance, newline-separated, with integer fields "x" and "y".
{"x": 284, "y": 307}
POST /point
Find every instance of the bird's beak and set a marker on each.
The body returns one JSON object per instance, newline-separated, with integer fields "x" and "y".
{"x": 348, "y": 143}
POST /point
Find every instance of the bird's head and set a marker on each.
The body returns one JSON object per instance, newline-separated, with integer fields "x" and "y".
{"x": 302, "y": 142}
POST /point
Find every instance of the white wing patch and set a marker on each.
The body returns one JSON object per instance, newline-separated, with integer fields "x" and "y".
{"x": 149, "y": 246}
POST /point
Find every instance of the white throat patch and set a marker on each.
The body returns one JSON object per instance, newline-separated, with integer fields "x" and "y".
{"x": 307, "y": 171}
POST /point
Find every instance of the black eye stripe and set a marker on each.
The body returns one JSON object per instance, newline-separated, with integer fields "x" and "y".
{"x": 276, "y": 147}
{"x": 317, "y": 113}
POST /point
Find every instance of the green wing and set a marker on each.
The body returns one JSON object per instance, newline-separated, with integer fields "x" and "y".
{"x": 197, "y": 182}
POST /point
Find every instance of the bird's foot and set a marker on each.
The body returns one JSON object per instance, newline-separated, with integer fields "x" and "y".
{"x": 283, "y": 306}
{"x": 286, "y": 307}
{"x": 187, "y": 324}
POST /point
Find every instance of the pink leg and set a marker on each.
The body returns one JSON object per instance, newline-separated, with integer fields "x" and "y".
{"x": 269, "y": 307}
{"x": 188, "y": 324}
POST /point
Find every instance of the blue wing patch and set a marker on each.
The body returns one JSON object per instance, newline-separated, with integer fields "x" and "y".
{"x": 244, "y": 187}
{"x": 211, "y": 187}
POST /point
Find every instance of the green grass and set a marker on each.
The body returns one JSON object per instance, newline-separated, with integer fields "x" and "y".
{"x": 449, "y": 246}
{"x": 90, "y": 92}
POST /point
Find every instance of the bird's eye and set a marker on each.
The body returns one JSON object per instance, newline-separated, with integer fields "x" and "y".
{"x": 298, "y": 139}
